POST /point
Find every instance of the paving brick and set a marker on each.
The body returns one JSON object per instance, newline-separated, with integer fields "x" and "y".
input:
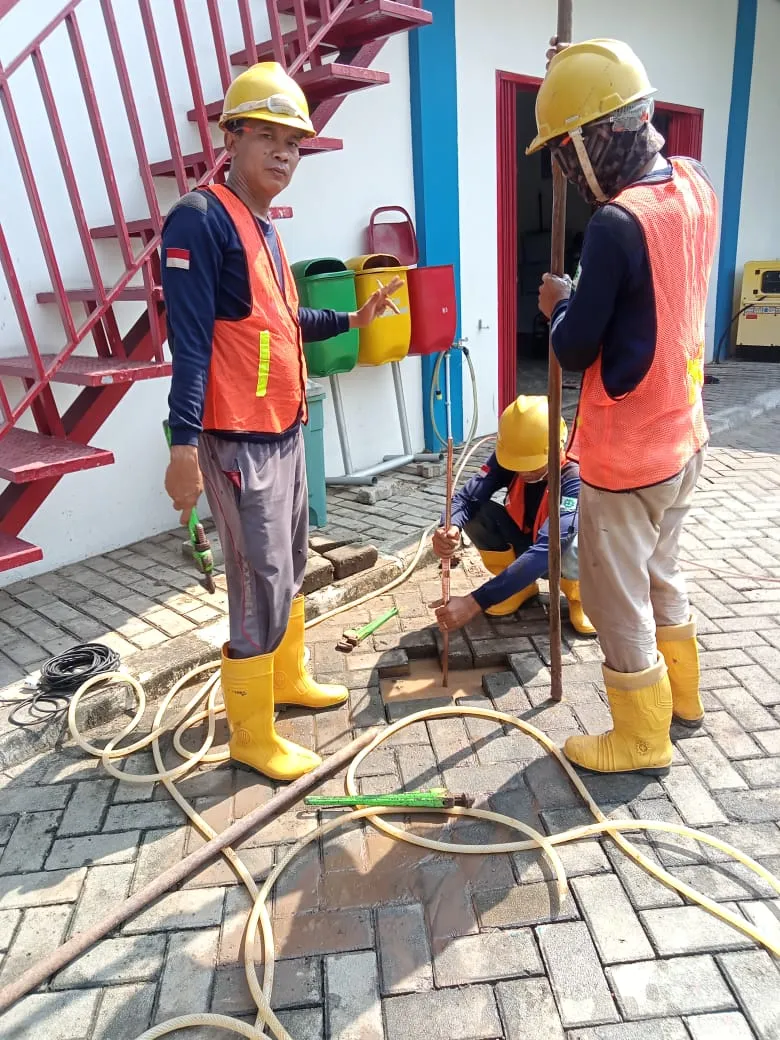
{"x": 576, "y": 976}
{"x": 193, "y": 908}
{"x": 305, "y": 1024}
{"x": 9, "y": 921}
{"x": 689, "y": 929}
{"x": 765, "y": 915}
{"x": 681, "y": 986}
{"x": 579, "y": 857}
{"x": 756, "y": 680}
{"x": 644, "y": 891}
{"x": 729, "y": 735}
{"x": 658, "y": 1029}
{"x": 747, "y": 806}
{"x": 447, "y": 1014}
{"x": 761, "y": 772}
{"x": 323, "y": 932}
{"x": 113, "y": 961}
{"x": 142, "y": 816}
{"x": 755, "y": 979}
{"x": 528, "y": 1010}
{"x": 522, "y": 906}
{"x": 30, "y": 842}
{"x": 746, "y": 709}
{"x": 726, "y": 881}
{"x": 125, "y": 1012}
{"x": 41, "y": 928}
{"x": 469, "y": 959}
{"x": 729, "y": 1025}
{"x": 691, "y": 797}
{"x": 95, "y": 849}
{"x": 404, "y": 955}
{"x": 769, "y": 741}
{"x": 189, "y": 969}
{"x": 614, "y": 926}
{"x": 103, "y": 888}
{"x": 710, "y": 763}
{"x": 159, "y": 850}
{"x": 17, "y": 800}
{"x": 354, "y": 1010}
{"x": 297, "y": 983}
{"x": 351, "y": 559}
{"x": 57, "y": 1016}
{"x": 44, "y": 889}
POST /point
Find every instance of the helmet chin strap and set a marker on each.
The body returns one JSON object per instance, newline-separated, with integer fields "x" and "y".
{"x": 587, "y": 166}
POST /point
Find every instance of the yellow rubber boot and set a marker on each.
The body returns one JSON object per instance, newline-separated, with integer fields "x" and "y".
{"x": 248, "y": 690}
{"x": 680, "y": 650}
{"x": 497, "y": 563}
{"x": 579, "y": 619}
{"x": 641, "y": 704}
{"x": 292, "y": 682}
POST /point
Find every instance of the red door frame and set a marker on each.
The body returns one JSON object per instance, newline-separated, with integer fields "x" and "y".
{"x": 684, "y": 138}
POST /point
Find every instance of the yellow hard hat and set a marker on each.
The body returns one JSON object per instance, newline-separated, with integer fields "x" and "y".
{"x": 586, "y": 82}
{"x": 265, "y": 91}
{"x": 522, "y": 435}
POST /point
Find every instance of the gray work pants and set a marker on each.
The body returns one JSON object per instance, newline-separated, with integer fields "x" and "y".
{"x": 630, "y": 575}
{"x": 259, "y": 502}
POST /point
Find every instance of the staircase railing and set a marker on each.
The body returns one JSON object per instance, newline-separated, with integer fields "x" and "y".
{"x": 296, "y": 48}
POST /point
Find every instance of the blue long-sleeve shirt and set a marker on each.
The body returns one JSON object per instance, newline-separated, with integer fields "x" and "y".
{"x": 612, "y": 310}
{"x": 214, "y": 286}
{"x": 533, "y": 563}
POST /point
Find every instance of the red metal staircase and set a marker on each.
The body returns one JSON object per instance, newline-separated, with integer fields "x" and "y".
{"x": 45, "y": 432}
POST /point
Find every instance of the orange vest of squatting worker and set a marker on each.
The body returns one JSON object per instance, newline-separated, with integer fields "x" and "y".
{"x": 257, "y": 378}
{"x": 650, "y": 434}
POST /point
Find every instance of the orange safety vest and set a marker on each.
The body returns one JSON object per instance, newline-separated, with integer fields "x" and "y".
{"x": 648, "y": 435}
{"x": 515, "y": 505}
{"x": 257, "y": 378}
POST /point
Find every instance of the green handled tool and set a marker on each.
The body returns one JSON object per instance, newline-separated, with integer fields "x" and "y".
{"x": 201, "y": 547}
{"x": 438, "y": 798}
{"x": 353, "y": 636}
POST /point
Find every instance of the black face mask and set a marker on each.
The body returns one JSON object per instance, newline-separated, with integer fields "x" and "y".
{"x": 617, "y": 158}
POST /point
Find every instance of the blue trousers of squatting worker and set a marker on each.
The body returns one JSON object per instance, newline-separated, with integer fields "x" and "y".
{"x": 494, "y": 530}
{"x": 259, "y": 502}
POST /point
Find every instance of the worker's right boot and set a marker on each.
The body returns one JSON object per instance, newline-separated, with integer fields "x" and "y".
{"x": 641, "y": 706}
{"x": 680, "y": 650}
{"x": 497, "y": 563}
{"x": 248, "y": 691}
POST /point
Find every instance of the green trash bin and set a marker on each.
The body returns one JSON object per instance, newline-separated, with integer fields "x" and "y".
{"x": 327, "y": 284}
{"x": 314, "y": 446}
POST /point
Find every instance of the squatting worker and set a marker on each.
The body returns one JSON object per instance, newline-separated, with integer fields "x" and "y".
{"x": 634, "y": 326}
{"x": 513, "y": 538}
{"x": 237, "y": 403}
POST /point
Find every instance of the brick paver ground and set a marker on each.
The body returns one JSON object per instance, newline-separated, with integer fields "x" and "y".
{"x": 139, "y": 596}
{"x": 383, "y": 941}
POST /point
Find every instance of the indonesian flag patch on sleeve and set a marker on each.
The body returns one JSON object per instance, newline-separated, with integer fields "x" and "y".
{"x": 485, "y": 468}
{"x": 177, "y": 258}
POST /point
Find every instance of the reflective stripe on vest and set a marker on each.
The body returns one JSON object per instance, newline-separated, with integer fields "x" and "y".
{"x": 257, "y": 377}
{"x": 649, "y": 435}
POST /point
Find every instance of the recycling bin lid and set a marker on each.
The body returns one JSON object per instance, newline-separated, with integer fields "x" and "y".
{"x": 318, "y": 265}
{"x": 374, "y": 262}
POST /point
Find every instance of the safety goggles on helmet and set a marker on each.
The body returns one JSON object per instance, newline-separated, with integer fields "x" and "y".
{"x": 276, "y": 104}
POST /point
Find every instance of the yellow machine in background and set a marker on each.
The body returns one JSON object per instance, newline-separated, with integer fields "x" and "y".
{"x": 759, "y": 322}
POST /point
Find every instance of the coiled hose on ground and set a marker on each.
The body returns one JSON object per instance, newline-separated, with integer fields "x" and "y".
{"x": 195, "y": 713}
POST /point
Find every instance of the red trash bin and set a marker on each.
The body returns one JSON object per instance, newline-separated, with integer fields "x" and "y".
{"x": 433, "y": 308}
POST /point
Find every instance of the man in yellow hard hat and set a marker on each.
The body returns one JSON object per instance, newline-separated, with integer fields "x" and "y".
{"x": 634, "y": 326}
{"x": 513, "y": 538}
{"x": 237, "y": 402}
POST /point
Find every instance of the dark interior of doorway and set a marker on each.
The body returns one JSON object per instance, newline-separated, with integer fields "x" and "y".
{"x": 534, "y": 212}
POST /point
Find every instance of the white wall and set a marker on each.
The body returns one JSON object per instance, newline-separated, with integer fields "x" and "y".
{"x": 332, "y": 195}
{"x": 688, "y": 49}
{"x": 759, "y": 233}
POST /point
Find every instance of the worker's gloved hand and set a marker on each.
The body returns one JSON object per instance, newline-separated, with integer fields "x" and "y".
{"x": 555, "y": 48}
{"x": 457, "y": 613}
{"x": 552, "y": 290}
{"x": 183, "y": 480}
{"x": 376, "y": 305}
{"x": 445, "y": 543}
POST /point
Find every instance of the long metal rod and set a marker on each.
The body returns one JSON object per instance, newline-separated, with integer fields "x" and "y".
{"x": 258, "y": 818}
{"x": 557, "y": 266}
{"x": 445, "y": 570}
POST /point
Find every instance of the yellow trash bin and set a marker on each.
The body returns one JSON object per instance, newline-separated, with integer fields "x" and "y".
{"x": 388, "y": 338}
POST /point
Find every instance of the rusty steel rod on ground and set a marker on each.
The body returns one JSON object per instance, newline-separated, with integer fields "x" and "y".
{"x": 557, "y": 267}
{"x": 260, "y": 817}
{"x": 445, "y": 569}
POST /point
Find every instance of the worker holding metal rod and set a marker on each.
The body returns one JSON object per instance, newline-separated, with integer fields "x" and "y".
{"x": 512, "y": 538}
{"x": 635, "y": 326}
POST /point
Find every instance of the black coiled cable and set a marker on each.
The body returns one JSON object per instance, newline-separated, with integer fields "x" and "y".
{"x": 61, "y": 676}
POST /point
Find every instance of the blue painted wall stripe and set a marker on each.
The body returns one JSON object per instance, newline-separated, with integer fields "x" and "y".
{"x": 434, "y": 115}
{"x": 742, "y": 78}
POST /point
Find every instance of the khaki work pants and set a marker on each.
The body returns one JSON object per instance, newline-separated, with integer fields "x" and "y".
{"x": 630, "y": 575}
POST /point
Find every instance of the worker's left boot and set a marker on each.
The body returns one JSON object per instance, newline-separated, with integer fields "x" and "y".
{"x": 641, "y": 704}
{"x": 292, "y": 682}
{"x": 579, "y": 619}
{"x": 497, "y": 563}
{"x": 680, "y": 650}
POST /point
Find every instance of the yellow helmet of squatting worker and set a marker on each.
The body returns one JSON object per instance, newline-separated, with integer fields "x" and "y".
{"x": 585, "y": 82}
{"x": 522, "y": 440}
{"x": 266, "y": 92}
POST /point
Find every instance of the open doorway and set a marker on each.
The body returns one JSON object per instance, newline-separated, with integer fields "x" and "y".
{"x": 524, "y": 214}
